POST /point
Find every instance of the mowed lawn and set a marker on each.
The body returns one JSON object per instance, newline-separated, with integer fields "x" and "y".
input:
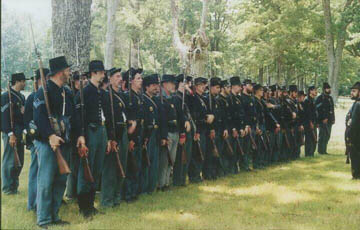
{"x": 314, "y": 193}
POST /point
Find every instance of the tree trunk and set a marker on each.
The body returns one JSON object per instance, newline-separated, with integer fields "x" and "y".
{"x": 334, "y": 55}
{"x": 261, "y": 75}
{"x": 71, "y": 24}
{"x": 112, "y": 6}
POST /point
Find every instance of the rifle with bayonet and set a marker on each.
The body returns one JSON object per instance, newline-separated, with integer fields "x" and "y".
{"x": 11, "y": 110}
{"x": 62, "y": 164}
{"x": 182, "y": 147}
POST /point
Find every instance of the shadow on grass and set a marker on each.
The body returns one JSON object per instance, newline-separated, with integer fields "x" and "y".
{"x": 309, "y": 193}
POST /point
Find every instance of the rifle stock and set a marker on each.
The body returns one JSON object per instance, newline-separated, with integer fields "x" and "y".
{"x": 16, "y": 155}
{"x": 253, "y": 143}
{"x": 145, "y": 156}
{"x": 197, "y": 149}
{"x": 229, "y": 148}
{"x": 132, "y": 162}
{"x": 183, "y": 154}
{"x": 87, "y": 172}
{"x": 286, "y": 139}
{"x": 119, "y": 166}
{"x": 215, "y": 149}
{"x": 239, "y": 147}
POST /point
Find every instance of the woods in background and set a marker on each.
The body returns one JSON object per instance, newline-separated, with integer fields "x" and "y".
{"x": 273, "y": 41}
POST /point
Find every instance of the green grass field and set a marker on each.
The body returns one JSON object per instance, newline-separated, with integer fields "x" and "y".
{"x": 315, "y": 193}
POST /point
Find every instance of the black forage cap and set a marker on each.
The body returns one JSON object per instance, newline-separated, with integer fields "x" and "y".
{"x": 214, "y": 81}
{"x": 235, "y": 80}
{"x": 200, "y": 80}
{"x": 293, "y": 88}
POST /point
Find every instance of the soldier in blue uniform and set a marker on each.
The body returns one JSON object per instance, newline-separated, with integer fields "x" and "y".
{"x": 12, "y": 137}
{"x": 31, "y": 132}
{"x": 264, "y": 118}
{"x": 202, "y": 118}
{"x": 50, "y": 183}
{"x": 151, "y": 132}
{"x": 224, "y": 106}
{"x": 250, "y": 122}
{"x": 216, "y": 131}
{"x": 71, "y": 182}
{"x": 111, "y": 180}
{"x": 326, "y": 117}
{"x": 354, "y": 131}
{"x": 94, "y": 136}
{"x": 275, "y": 135}
{"x": 173, "y": 130}
{"x": 310, "y": 122}
{"x": 181, "y": 163}
{"x": 134, "y": 99}
{"x": 300, "y": 123}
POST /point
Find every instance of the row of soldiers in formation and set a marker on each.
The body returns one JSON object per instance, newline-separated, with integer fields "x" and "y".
{"x": 160, "y": 130}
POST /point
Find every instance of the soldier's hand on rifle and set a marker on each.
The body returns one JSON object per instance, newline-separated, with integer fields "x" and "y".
{"x": 235, "y": 133}
{"x": 131, "y": 145}
{"x": 108, "y": 147}
{"x": 311, "y": 125}
{"x": 270, "y": 106}
{"x": 197, "y": 137}
{"x": 293, "y": 115}
{"x": 242, "y": 133}
{"x": 132, "y": 127}
{"x": 12, "y": 140}
{"x": 248, "y": 129}
{"x": 163, "y": 142}
{"x": 80, "y": 141}
{"x": 301, "y": 128}
{"x": 182, "y": 139}
{"x": 187, "y": 126}
{"x": 325, "y": 121}
{"x": 212, "y": 134}
{"x": 55, "y": 141}
{"x": 349, "y": 122}
{"x": 83, "y": 150}
{"x": 210, "y": 118}
{"x": 277, "y": 129}
{"x": 258, "y": 131}
{"x": 225, "y": 134}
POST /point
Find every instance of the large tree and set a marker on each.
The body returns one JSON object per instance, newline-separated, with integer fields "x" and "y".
{"x": 336, "y": 35}
{"x": 111, "y": 7}
{"x": 71, "y": 24}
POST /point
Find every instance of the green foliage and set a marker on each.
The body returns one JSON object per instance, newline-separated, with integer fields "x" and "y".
{"x": 284, "y": 40}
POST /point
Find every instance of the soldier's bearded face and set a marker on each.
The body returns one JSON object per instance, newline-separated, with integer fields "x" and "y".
{"x": 249, "y": 88}
{"x": 328, "y": 91}
{"x": 116, "y": 79}
{"x": 355, "y": 93}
